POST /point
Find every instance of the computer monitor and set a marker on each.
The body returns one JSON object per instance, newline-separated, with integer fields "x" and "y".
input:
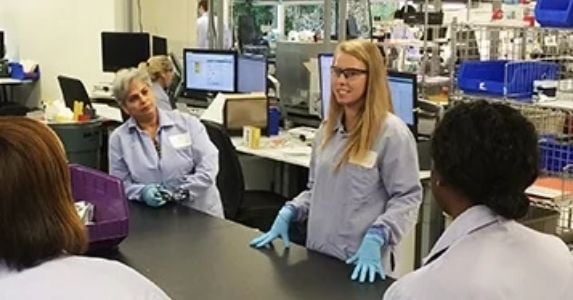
{"x": 404, "y": 93}
{"x": 2, "y": 46}
{"x": 252, "y": 74}
{"x": 210, "y": 70}
{"x": 324, "y": 64}
{"x": 159, "y": 45}
{"x": 123, "y": 50}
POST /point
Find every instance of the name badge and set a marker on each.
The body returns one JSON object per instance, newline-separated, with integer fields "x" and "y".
{"x": 179, "y": 141}
{"x": 367, "y": 162}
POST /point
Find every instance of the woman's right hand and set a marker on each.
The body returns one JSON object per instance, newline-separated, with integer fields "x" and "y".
{"x": 152, "y": 196}
{"x": 279, "y": 228}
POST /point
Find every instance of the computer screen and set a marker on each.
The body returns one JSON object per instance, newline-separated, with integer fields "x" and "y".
{"x": 403, "y": 91}
{"x": 159, "y": 45}
{"x": 210, "y": 70}
{"x": 123, "y": 50}
{"x": 324, "y": 64}
{"x": 252, "y": 74}
{"x": 2, "y": 46}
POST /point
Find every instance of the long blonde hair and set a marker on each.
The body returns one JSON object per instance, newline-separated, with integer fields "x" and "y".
{"x": 156, "y": 65}
{"x": 374, "y": 105}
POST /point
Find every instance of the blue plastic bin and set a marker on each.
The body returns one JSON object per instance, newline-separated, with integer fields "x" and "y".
{"x": 554, "y": 13}
{"x": 554, "y": 155}
{"x": 488, "y": 77}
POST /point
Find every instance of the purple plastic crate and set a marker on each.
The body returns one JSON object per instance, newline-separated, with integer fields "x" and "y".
{"x": 111, "y": 214}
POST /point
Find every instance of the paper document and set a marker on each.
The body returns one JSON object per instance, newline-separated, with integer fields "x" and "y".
{"x": 543, "y": 192}
{"x": 108, "y": 112}
{"x": 214, "y": 112}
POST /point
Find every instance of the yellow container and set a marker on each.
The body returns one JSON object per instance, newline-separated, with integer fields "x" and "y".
{"x": 251, "y": 136}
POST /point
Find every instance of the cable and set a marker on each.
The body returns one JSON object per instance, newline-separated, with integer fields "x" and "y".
{"x": 139, "y": 15}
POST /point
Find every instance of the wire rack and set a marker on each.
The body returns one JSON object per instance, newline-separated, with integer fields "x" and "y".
{"x": 517, "y": 44}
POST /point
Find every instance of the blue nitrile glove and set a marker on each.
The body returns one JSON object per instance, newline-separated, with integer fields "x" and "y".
{"x": 151, "y": 195}
{"x": 368, "y": 258}
{"x": 279, "y": 228}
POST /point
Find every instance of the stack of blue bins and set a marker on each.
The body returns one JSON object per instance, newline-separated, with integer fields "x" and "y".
{"x": 554, "y": 13}
{"x": 489, "y": 77}
{"x": 554, "y": 154}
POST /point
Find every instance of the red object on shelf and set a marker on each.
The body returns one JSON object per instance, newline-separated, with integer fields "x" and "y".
{"x": 530, "y": 20}
{"x": 497, "y": 14}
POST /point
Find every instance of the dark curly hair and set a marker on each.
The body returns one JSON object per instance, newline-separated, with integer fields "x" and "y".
{"x": 488, "y": 152}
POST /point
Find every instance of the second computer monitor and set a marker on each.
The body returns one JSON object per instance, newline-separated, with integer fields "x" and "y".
{"x": 210, "y": 70}
{"x": 324, "y": 64}
{"x": 158, "y": 45}
{"x": 404, "y": 95}
{"x": 252, "y": 74}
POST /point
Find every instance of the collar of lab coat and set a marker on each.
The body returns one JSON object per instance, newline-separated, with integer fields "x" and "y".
{"x": 338, "y": 126}
{"x": 164, "y": 120}
{"x": 474, "y": 218}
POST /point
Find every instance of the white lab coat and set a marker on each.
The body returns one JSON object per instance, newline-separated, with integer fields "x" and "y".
{"x": 203, "y": 33}
{"x": 76, "y": 277}
{"x": 489, "y": 257}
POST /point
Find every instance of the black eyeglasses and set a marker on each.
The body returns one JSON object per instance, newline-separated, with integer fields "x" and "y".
{"x": 349, "y": 73}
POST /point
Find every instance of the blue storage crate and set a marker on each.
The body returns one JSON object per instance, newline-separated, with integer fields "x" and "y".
{"x": 554, "y": 155}
{"x": 554, "y": 13}
{"x": 503, "y": 77}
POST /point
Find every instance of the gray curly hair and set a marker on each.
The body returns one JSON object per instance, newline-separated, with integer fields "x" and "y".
{"x": 123, "y": 78}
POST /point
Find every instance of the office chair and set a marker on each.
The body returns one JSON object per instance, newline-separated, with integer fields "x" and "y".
{"x": 429, "y": 114}
{"x": 256, "y": 209}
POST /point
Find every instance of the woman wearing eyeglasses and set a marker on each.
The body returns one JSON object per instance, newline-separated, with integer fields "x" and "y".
{"x": 363, "y": 191}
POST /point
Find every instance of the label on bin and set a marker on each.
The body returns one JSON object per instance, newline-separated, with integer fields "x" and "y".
{"x": 179, "y": 141}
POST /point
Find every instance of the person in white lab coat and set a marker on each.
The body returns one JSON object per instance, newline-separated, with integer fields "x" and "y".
{"x": 41, "y": 235}
{"x": 160, "y": 70}
{"x": 484, "y": 157}
{"x": 203, "y": 28}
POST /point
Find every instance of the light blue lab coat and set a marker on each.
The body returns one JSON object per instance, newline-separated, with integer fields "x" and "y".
{"x": 383, "y": 190}
{"x": 186, "y": 152}
{"x": 161, "y": 97}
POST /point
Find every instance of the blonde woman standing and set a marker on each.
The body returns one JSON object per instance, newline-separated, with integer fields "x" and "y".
{"x": 363, "y": 191}
{"x": 160, "y": 70}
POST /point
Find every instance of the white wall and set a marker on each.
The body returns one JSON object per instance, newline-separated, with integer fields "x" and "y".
{"x": 63, "y": 36}
{"x": 172, "y": 19}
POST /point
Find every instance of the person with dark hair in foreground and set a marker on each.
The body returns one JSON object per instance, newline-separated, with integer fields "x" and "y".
{"x": 484, "y": 157}
{"x": 41, "y": 234}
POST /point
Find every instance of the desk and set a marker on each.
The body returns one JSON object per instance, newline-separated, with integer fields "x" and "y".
{"x": 6, "y": 85}
{"x": 194, "y": 256}
{"x": 295, "y": 155}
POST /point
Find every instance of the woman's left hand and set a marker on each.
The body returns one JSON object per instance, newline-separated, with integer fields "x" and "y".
{"x": 368, "y": 259}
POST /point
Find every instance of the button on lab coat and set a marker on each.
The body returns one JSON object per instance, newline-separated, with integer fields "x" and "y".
{"x": 481, "y": 255}
{"x": 383, "y": 190}
{"x": 186, "y": 152}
